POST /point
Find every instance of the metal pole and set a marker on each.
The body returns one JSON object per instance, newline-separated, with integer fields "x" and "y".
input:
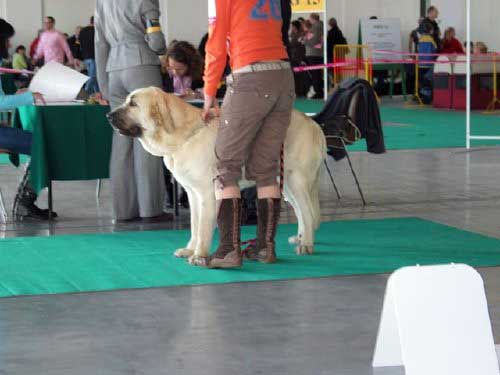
{"x": 468, "y": 72}
{"x": 51, "y": 210}
{"x": 325, "y": 53}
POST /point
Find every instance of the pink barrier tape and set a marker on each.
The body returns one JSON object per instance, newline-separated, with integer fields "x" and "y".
{"x": 379, "y": 52}
{"x": 354, "y": 62}
{"x": 15, "y": 71}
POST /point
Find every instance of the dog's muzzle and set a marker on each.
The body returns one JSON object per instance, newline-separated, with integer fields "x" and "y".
{"x": 116, "y": 120}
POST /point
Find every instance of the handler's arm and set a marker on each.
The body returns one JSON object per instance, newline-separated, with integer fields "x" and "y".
{"x": 216, "y": 48}
{"x": 286, "y": 14}
{"x": 101, "y": 54}
{"x": 151, "y": 19}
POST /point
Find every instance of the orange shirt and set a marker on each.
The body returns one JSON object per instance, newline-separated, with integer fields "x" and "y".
{"x": 248, "y": 30}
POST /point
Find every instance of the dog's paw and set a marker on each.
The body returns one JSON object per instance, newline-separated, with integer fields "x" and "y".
{"x": 304, "y": 250}
{"x": 184, "y": 253}
{"x": 294, "y": 240}
{"x": 197, "y": 260}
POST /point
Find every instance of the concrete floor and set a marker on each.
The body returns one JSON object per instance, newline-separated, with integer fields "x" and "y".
{"x": 320, "y": 326}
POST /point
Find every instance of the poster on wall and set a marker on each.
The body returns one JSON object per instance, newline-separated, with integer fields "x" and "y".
{"x": 300, "y": 6}
{"x": 382, "y": 35}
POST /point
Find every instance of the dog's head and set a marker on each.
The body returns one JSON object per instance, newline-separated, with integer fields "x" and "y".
{"x": 144, "y": 113}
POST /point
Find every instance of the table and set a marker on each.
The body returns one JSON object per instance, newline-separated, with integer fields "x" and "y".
{"x": 393, "y": 68}
{"x": 70, "y": 143}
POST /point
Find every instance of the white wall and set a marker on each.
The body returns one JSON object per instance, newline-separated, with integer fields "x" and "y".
{"x": 452, "y": 14}
{"x": 186, "y": 20}
{"x": 349, "y": 12}
{"x": 25, "y": 16}
{"x": 485, "y": 20}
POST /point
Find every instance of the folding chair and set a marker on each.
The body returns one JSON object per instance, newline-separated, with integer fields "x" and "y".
{"x": 340, "y": 132}
{"x": 344, "y": 133}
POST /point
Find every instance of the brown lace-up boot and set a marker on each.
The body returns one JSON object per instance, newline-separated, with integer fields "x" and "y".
{"x": 228, "y": 254}
{"x": 268, "y": 211}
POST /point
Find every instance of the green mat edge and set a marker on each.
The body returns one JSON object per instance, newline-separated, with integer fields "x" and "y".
{"x": 269, "y": 279}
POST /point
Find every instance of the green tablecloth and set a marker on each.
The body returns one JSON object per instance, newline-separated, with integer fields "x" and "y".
{"x": 8, "y": 84}
{"x": 70, "y": 142}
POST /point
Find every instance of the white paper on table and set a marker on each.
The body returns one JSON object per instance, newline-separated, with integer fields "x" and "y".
{"x": 58, "y": 83}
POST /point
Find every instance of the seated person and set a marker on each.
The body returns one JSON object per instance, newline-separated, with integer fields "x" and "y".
{"x": 182, "y": 66}
{"x": 15, "y": 140}
{"x": 479, "y": 48}
{"x": 451, "y": 45}
{"x": 20, "y": 62}
{"x": 427, "y": 47}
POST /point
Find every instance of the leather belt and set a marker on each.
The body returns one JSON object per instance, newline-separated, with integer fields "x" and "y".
{"x": 263, "y": 67}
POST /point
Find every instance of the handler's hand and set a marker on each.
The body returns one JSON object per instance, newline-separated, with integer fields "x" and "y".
{"x": 208, "y": 113}
{"x": 100, "y": 99}
{"x": 39, "y": 99}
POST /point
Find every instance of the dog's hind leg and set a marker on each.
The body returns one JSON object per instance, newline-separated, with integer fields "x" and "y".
{"x": 194, "y": 205}
{"x": 301, "y": 200}
{"x": 206, "y": 225}
{"x": 315, "y": 200}
{"x": 294, "y": 240}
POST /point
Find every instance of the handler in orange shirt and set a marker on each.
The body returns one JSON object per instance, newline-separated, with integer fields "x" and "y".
{"x": 255, "y": 117}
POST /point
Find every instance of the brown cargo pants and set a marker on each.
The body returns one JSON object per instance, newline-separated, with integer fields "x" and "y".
{"x": 255, "y": 117}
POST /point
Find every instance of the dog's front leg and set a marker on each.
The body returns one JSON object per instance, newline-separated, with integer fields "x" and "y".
{"x": 206, "y": 226}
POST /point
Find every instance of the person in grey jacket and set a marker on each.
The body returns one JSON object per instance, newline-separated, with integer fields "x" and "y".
{"x": 313, "y": 41}
{"x": 128, "y": 42}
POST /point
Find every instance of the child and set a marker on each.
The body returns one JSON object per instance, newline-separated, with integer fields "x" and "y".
{"x": 479, "y": 48}
{"x": 182, "y": 66}
{"x": 20, "y": 61}
{"x": 426, "y": 46}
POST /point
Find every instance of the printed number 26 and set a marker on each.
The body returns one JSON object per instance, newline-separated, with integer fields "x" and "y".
{"x": 258, "y": 12}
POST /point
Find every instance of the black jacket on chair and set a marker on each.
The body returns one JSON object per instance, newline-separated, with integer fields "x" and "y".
{"x": 355, "y": 99}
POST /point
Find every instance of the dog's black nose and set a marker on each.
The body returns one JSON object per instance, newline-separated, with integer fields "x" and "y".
{"x": 110, "y": 116}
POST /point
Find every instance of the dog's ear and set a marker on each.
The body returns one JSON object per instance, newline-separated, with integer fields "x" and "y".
{"x": 160, "y": 111}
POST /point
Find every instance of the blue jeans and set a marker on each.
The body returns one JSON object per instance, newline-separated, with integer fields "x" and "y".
{"x": 91, "y": 87}
{"x": 15, "y": 140}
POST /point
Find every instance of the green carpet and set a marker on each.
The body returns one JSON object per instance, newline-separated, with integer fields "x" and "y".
{"x": 98, "y": 262}
{"x": 4, "y": 159}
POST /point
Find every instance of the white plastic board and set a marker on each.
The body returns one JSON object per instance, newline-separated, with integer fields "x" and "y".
{"x": 58, "y": 83}
{"x": 435, "y": 321}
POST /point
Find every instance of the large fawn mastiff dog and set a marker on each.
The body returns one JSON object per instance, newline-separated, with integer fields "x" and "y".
{"x": 169, "y": 127}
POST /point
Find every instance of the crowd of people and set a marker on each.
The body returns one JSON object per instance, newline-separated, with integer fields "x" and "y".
{"x": 428, "y": 31}
{"x": 428, "y": 41}
{"x": 307, "y": 48}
